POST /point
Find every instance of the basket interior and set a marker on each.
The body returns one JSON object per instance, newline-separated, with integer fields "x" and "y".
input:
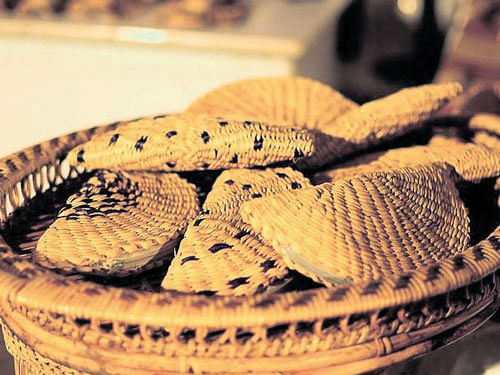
{"x": 26, "y": 224}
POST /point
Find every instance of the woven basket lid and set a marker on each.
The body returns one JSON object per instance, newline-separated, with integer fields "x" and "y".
{"x": 119, "y": 223}
{"x": 472, "y": 162}
{"x": 365, "y": 227}
{"x": 295, "y": 101}
{"x": 190, "y": 142}
{"x": 220, "y": 253}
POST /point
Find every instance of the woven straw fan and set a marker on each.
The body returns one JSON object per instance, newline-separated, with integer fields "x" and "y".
{"x": 365, "y": 227}
{"x": 472, "y": 162}
{"x": 119, "y": 223}
{"x": 381, "y": 120}
{"x": 189, "y": 142}
{"x": 221, "y": 254}
{"x": 295, "y": 101}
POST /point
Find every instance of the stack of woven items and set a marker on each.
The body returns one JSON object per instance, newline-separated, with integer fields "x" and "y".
{"x": 296, "y": 189}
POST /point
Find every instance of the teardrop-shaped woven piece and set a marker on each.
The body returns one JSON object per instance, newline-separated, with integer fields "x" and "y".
{"x": 190, "y": 142}
{"x": 472, "y": 162}
{"x": 381, "y": 120}
{"x": 221, "y": 254}
{"x": 295, "y": 101}
{"x": 365, "y": 227}
{"x": 119, "y": 223}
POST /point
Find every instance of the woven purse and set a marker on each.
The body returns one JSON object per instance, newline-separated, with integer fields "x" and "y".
{"x": 62, "y": 322}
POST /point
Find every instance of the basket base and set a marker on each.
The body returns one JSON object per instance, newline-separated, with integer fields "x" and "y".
{"x": 28, "y": 362}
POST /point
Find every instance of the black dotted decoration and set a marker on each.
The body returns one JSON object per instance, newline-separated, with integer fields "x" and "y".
{"x": 11, "y": 165}
{"x": 229, "y": 182}
{"x": 241, "y": 234}
{"x": 246, "y": 187}
{"x": 257, "y": 142}
{"x": 158, "y": 117}
{"x": 234, "y": 159}
{"x": 298, "y": 154}
{"x": 247, "y": 123}
{"x": 218, "y": 247}
{"x": 268, "y": 264}
{"x": 79, "y": 156}
{"x": 205, "y": 165}
{"x": 113, "y": 139}
{"x": 22, "y": 156}
{"x": 170, "y": 164}
{"x": 223, "y": 123}
{"x": 139, "y": 145}
{"x": 458, "y": 262}
{"x": 197, "y": 222}
{"x": 296, "y": 185}
{"x": 257, "y": 195}
{"x": 282, "y": 175}
{"x": 171, "y": 134}
{"x": 205, "y": 136}
{"x": 216, "y": 153}
{"x": 188, "y": 259}
{"x": 239, "y": 281}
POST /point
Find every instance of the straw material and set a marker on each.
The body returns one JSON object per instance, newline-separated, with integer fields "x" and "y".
{"x": 221, "y": 254}
{"x": 381, "y": 120}
{"x": 488, "y": 122}
{"x": 295, "y": 101}
{"x": 189, "y": 142}
{"x": 487, "y": 139}
{"x": 119, "y": 223}
{"x": 367, "y": 227}
{"x": 472, "y": 162}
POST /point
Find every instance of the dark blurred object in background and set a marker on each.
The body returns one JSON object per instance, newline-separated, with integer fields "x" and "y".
{"x": 473, "y": 52}
{"x": 385, "y": 45}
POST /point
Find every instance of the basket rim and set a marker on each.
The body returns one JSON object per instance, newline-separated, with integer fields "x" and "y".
{"x": 21, "y": 279}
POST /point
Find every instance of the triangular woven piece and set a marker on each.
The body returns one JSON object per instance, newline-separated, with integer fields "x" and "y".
{"x": 190, "y": 142}
{"x": 221, "y": 254}
{"x": 295, "y": 101}
{"x": 381, "y": 120}
{"x": 119, "y": 223}
{"x": 366, "y": 227}
{"x": 472, "y": 162}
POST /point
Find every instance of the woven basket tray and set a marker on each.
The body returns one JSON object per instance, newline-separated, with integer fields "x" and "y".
{"x": 55, "y": 324}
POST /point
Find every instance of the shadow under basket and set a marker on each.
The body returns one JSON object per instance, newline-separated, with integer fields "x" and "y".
{"x": 73, "y": 324}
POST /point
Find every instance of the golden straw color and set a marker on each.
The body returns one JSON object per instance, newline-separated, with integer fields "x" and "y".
{"x": 381, "y": 120}
{"x": 295, "y": 101}
{"x": 472, "y": 162}
{"x": 487, "y": 139}
{"x": 488, "y": 122}
{"x": 221, "y": 254}
{"x": 191, "y": 142}
{"x": 366, "y": 227}
{"x": 119, "y": 223}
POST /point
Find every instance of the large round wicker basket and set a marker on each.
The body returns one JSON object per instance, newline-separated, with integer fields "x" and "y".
{"x": 55, "y": 324}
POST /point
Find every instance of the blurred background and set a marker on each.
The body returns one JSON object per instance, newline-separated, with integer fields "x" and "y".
{"x": 72, "y": 64}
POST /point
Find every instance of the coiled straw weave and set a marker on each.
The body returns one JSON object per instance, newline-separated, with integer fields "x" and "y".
{"x": 392, "y": 247}
{"x": 187, "y": 142}
{"x": 220, "y": 253}
{"x": 93, "y": 232}
{"x": 366, "y": 227}
{"x": 295, "y": 101}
